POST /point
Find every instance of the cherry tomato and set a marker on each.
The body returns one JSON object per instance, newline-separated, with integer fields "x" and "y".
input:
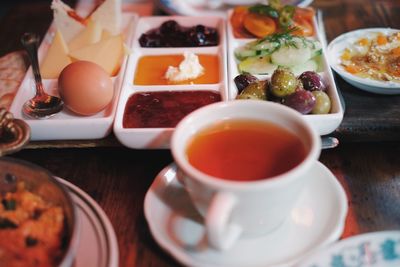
{"x": 306, "y": 13}
{"x": 237, "y": 22}
{"x": 259, "y": 25}
{"x": 303, "y": 27}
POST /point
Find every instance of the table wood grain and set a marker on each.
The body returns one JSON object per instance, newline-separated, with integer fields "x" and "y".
{"x": 118, "y": 177}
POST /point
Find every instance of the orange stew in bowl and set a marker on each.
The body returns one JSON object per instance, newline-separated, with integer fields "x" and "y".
{"x": 31, "y": 230}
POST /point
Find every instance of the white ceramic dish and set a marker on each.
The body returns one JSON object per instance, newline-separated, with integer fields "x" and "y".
{"x": 98, "y": 244}
{"x": 335, "y": 50}
{"x": 378, "y": 249}
{"x": 149, "y": 138}
{"x": 178, "y": 228}
{"x": 203, "y": 8}
{"x": 67, "y": 125}
{"x": 324, "y": 123}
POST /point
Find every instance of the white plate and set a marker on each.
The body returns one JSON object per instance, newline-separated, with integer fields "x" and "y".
{"x": 317, "y": 220}
{"x": 323, "y": 123}
{"x": 67, "y": 125}
{"x": 152, "y": 138}
{"x": 98, "y": 245}
{"x": 201, "y": 8}
{"x": 335, "y": 50}
{"x": 378, "y": 249}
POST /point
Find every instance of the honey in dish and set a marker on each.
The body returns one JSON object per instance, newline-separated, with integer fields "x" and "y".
{"x": 245, "y": 150}
{"x": 151, "y": 69}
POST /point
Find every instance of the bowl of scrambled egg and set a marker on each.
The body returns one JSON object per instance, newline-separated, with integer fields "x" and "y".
{"x": 38, "y": 220}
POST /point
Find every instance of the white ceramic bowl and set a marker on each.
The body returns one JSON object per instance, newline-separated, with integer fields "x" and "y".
{"x": 335, "y": 50}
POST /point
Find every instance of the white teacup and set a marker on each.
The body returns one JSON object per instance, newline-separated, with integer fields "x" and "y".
{"x": 240, "y": 209}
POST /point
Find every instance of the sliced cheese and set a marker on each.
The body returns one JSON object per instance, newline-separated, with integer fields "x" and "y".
{"x": 109, "y": 15}
{"x": 90, "y": 35}
{"x": 105, "y": 35}
{"x": 66, "y": 24}
{"x": 56, "y": 58}
{"x": 106, "y": 53}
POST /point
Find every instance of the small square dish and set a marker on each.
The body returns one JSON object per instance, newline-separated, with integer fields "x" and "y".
{"x": 368, "y": 59}
{"x": 67, "y": 125}
{"x": 152, "y": 102}
{"x": 295, "y": 54}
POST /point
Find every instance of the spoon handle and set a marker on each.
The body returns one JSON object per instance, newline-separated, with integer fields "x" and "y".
{"x": 30, "y": 42}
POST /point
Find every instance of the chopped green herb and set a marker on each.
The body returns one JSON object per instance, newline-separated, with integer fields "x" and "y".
{"x": 7, "y": 224}
{"x": 285, "y": 39}
{"x": 275, "y": 4}
{"x": 9, "y": 204}
{"x": 286, "y": 16}
{"x": 30, "y": 241}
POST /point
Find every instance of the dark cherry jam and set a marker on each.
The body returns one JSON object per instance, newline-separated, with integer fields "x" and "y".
{"x": 171, "y": 34}
{"x": 164, "y": 109}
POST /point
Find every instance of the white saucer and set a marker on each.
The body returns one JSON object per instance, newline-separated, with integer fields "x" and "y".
{"x": 378, "y": 249}
{"x": 316, "y": 220}
{"x": 98, "y": 245}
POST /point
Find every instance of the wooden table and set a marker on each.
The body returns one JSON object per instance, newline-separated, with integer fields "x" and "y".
{"x": 118, "y": 178}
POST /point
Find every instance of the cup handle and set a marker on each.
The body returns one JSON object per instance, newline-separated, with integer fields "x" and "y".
{"x": 220, "y": 232}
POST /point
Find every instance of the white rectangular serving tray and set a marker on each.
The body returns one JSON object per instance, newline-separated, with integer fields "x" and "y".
{"x": 323, "y": 123}
{"x": 156, "y": 138}
{"x": 67, "y": 125}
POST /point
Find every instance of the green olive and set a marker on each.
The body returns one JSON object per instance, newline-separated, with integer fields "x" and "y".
{"x": 283, "y": 82}
{"x": 256, "y": 90}
{"x": 322, "y": 103}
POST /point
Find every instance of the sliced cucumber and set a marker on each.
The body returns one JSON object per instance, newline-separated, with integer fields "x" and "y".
{"x": 310, "y": 65}
{"x": 269, "y": 47}
{"x": 257, "y": 66}
{"x": 243, "y": 52}
{"x": 291, "y": 56}
{"x": 316, "y": 50}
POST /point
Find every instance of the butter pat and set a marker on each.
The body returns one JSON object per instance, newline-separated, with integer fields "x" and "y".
{"x": 190, "y": 68}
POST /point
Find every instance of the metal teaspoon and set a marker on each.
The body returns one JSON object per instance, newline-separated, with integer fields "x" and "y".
{"x": 42, "y": 105}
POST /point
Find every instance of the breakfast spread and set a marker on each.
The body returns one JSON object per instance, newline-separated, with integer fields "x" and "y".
{"x": 97, "y": 38}
{"x": 31, "y": 230}
{"x": 176, "y": 54}
{"x": 376, "y": 56}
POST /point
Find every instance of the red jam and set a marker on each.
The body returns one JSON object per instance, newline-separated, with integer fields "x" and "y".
{"x": 164, "y": 109}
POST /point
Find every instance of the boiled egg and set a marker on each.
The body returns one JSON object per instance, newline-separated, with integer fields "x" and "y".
{"x": 85, "y": 87}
